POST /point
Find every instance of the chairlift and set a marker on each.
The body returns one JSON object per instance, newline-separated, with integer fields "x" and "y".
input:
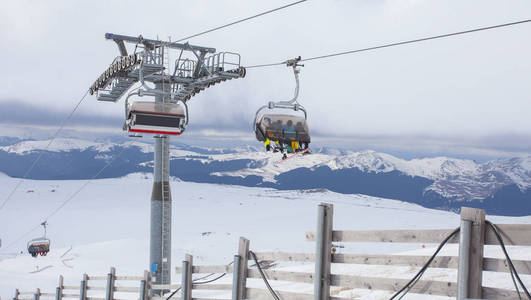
{"x": 155, "y": 118}
{"x": 284, "y": 128}
{"x": 41, "y": 245}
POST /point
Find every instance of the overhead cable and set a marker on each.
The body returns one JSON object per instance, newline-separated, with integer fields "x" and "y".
{"x": 242, "y": 20}
{"x": 73, "y": 195}
{"x": 398, "y": 43}
{"x": 43, "y": 150}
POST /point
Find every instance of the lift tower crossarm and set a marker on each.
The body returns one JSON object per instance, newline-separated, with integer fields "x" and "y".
{"x": 136, "y": 40}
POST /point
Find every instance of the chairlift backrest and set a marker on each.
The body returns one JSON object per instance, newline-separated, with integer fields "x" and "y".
{"x": 41, "y": 242}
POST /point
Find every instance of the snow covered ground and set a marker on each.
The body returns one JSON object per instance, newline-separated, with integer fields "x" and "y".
{"x": 107, "y": 224}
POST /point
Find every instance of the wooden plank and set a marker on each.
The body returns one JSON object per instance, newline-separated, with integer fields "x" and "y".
{"x": 71, "y": 296}
{"x": 434, "y": 236}
{"x": 128, "y": 289}
{"x": 212, "y": 286}
{"x": 212, "y": 269}
{"x": 495, "y": 293}
{"x": 187, "y": 286}
{"x": 96, "y": 288}
{"x": 26, "y": 293}
{"x": 159, "y": 287}
{"x": 95, "y": 298}
{"x": 131, "y": 278}
{"x": 282, "y": 256}
{"x": 477, "y": 241}
{"x": 500, "y": 265}
{"x": 47, "y": 294}
{"x": 208, "y": 298}
{"x": 396, "y": 260}
{"x": 512, "y": 234}
{"x": 440, "y": 288}
{"x": 243, "y": 252}
{"x": 282, "y": 275}
{"x": 260, "y": 294}
{"x": 97, "y": 278}
{"x": 70, "y": 287}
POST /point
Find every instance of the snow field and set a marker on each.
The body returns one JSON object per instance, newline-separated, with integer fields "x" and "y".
{"x": 107, "y": 224}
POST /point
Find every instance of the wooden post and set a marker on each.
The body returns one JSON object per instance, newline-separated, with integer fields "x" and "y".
{"x": 243, "y": 252}
{"x": 37, "y": 294}
{"x": 477, "y": 241}
{"x": 83, "y": 288}
{"x": 16, "y": 294}
{"x": 144, "y": 286}
{"x": 59, "y": 289}
{"x": 323, "y": 252}
{"x": 186, "y": 282}
{"x": 109, "y": 291}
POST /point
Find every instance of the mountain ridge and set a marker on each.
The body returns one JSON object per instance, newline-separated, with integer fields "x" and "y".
{"x": 435, "y": 182}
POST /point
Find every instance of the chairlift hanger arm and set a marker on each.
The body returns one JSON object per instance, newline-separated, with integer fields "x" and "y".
{"x": 155, "y": 43}
{"x": 294, "y": 63}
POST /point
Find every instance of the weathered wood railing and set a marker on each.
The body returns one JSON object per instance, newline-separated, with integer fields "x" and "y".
{"x": 322, "y": 279}
{"x": 87, "y": 290}
{"x": 514, "y": 234}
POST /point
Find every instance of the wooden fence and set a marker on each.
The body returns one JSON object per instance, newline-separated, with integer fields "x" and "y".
{"x": 474, "y": 234}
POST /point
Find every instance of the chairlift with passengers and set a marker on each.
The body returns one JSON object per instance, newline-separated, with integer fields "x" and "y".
{"x": 284, "y": 128}
{"x": 41, "y": 245}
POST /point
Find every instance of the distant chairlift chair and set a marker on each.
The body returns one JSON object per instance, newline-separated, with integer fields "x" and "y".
{"x": 41, "y": 245}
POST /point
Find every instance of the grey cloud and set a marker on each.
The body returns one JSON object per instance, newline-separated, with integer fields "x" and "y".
{"x": 25, "y": 113}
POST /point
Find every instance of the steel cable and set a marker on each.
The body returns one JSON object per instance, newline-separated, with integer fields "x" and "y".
{"x": 239, "y": 21}
{"x": 73, "y": 195}
{"x": 398, "y": 43}
{"x": 63, "y": 123}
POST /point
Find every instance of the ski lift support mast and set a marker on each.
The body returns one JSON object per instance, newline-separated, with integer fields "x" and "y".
{"x": 195, "y": 69}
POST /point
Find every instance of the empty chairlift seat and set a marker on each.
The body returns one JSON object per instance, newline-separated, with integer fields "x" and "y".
{"x": 155, "y": 118}
{"x": 282, "y": 128}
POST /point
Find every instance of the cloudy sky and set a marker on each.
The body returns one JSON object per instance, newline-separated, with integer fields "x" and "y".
{"x": 465, "y": 96}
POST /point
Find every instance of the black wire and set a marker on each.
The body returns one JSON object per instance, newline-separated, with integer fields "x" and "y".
{"x": 73, "y": 195}
{"x": 171, "y": 295}
{"x": 203, "y": 277}
{"x": 44, "y": 150}
{"x": 509, "y": 261}
{"x": 419, "y": 274}
{"x": 263, "y": 276}
{"x": 202, "y": 282}
{"x": 515, "y": 285}
{"x": 399, "y": 43}
{"x": 239, "y": 21}
{"x": 211, "y": 280}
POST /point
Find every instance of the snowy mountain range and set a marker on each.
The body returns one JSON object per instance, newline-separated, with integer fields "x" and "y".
{"x": 500, "y": 186}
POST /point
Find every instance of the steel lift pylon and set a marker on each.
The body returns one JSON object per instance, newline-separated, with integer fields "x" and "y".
{"x": 149, "y": 66}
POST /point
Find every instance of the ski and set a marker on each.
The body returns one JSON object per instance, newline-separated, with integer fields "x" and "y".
{"x": 293, "y": 155}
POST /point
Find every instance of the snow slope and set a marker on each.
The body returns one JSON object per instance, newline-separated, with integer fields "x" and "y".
{"x": 107, "y": 224}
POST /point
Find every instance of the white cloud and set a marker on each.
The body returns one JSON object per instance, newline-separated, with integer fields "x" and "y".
{"x": 474, "y": 85}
